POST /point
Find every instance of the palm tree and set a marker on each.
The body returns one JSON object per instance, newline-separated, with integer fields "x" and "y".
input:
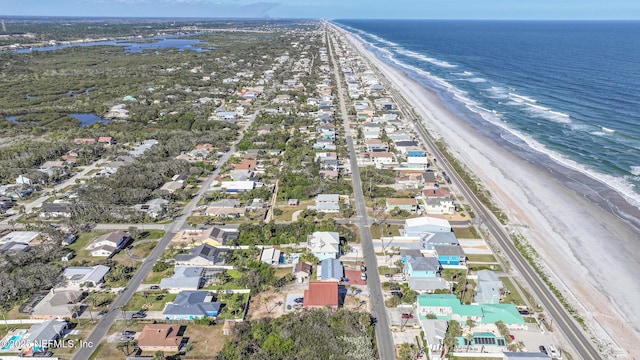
{"x": 75, "y": 312}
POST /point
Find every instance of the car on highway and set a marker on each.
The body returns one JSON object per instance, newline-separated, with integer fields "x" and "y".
{"x": 407, "y": 316}
{"x": 543, "y": 349}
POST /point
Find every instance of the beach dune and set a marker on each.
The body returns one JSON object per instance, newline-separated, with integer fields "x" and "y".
{"x": 588, "y": 252}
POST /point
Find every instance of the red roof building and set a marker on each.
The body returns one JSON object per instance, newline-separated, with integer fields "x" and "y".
{"x": 435, "y": 193}
{"x": 246, "y": 165}
{"x": 321, "y": 294}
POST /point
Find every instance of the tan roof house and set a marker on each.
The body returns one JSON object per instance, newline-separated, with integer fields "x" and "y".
{"x": 161, "y": 337}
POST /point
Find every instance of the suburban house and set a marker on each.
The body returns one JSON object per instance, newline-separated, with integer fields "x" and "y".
{"x": 23, "y": 237}
{"x": 154, "y": 208}
{"x": 183, "y": 278}
{"x": 434, "y": 332}
{"x": 448, "y": 307}
{"x": 162, "y": 337}
{"x": 223, "y": 235}
{"x": 482, "y": 342}
{"x": 327, "y": 203}
{"x": 321, "y": 294}
{"x": 248, "y": 165}
{"x": 57, "y": 304}
{"x": 324, "y": 244}
{"x": 406, "y": 204}
{"x": 302, "y": 270}
{"x": 429, "y": 180}
{"x": 438, "y": 201}
{"x": 228, "y": 208}
{"x": 270, "y": 256}
{"x": 489, "y": 288}
{"x": 238, "y": 186}
{"x": 332, "y": 270}
{"x": 81, "y": 275}
{"x": 106, "y": 140}
{"x": 416, "y": 227}
{"x": 203, "y": 255}
{"x": 376, "y": 145}
{"x": 108, "y": 244}
{"x": 429, "y": 240}
{"x": 172, "y": 186}
{"x": 40, "y": 335}
{"x": 191, "y": 305}
{"x": 422, "y": 267}
{"x": 54, "y": 210}
{"x": 450, "y": 255}
{"x": 382, "y": 158}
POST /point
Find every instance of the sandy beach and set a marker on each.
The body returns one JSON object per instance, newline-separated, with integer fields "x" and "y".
{"x": 589, "y": 253}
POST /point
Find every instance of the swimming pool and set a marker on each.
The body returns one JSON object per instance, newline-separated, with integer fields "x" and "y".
{"x": 9, "y": 343}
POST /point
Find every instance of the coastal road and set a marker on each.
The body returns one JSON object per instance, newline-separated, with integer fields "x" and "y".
{"x": 561, "y": 319}
{"x": 100, "y": 330}
{"x": 386, "y": 349}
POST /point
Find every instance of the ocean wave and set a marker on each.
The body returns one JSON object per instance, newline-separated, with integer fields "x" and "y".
{"x": 497, "y": 92}
{"x": 424, "y": 58}
{"x": 522, "y": 98}
{"x": 464, "y": 73}
{"x": 635, "y": 170}
{"x": 475, "y": 80}
{"x": 607, "y": 129}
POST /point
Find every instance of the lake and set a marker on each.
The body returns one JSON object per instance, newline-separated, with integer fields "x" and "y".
{"x": 132, "y": 46}
{"x": 88, "y": 119}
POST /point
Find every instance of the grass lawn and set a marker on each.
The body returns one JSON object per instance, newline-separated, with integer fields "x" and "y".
{"x": 466, "y": 233}
{"x": 157, "y": 299}
{"x": 514, "y": 296}
{"x": 481, "y": 258}
{"x": 143, "y": 250}
{"x": 478, "y": 267}
{"x": 81, "y": 243}
{"x": 155, "y": 277}
{"x": 391, "y": 230}
{"x": 151, "y": 234}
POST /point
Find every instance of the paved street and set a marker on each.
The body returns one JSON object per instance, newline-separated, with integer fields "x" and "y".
{"x": 386, "y": 349}
{"x": 114, "y": 313}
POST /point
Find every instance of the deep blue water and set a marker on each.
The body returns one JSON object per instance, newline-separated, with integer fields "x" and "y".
{"x": 570, "y": 90}
{"x": 132, "y": 46}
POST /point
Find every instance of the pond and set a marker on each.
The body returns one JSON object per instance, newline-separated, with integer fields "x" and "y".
{"x": 132, "y": 46}
{"x": 13, "y": 119}
{"x": 88, "y": 119}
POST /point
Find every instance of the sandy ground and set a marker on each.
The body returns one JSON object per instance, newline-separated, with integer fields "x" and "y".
{"x": 589, "y": 252}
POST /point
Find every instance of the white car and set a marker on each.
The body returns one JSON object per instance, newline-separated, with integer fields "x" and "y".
{"x": 363, "y": 276}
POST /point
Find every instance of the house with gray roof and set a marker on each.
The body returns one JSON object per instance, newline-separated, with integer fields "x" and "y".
{"x": 183, "y": 278}
{"x": 422, "y": 267}
{"x": 328, "y": 203}
{"x": 488, "y": 288}
{"x": 450, "y": 255}
{"x": 191, "y": 305}
{"x": 41, "y": 334}
{"x": 204, "y": 255}
{"x": 430, "y": 239}
{"x": 332, "y": 270}
{"x": 80, "y": 275}
{"x": 154, "y": 207}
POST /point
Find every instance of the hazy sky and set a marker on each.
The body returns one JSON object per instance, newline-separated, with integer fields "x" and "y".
{"x": 333, "y": 9}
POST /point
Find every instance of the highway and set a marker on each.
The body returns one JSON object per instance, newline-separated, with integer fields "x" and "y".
{"x": 114, "y": 313}
{"x": 561, "y": 319}
{"x": 384, "y": 340}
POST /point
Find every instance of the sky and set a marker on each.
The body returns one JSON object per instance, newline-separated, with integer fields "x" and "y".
{"x": 334, "y": 9}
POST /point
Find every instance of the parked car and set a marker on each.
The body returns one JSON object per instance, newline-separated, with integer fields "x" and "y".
{"x": 363, "y": 276}
{"x": 407, "y": 316}
{"x": 543, "y": 350}
{"x": 363, "y": 268}
{"x": 524, "y": 312}
{"x": 42, "y": 354}
{"x": 138, "y": 315}
{"x": 154, "y": 287}
{"x": 298, "y": 300}
{"x": 387, "y": 275}
{"x": 512, "y": 337}
{"x": 554, "y": 352}
{"x": 396, "y": 293}
{"x": 126, "y": 338}
{"x": 394, "y": 288}
{"x": 128, "y": 333}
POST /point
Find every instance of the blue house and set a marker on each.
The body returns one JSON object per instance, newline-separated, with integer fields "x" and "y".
{"x": 450, "y": 255}
{"x": 421, "y": 267}
{"x": 191, "y": 305}
{"x": 332, "y": 270}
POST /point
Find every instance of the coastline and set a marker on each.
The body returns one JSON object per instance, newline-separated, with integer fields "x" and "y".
{"x": 587, "y": 250}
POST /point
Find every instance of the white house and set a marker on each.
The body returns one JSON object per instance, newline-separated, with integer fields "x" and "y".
{"x": 324, "y": 244}
{"x": 328, "y": 203}
{"x": 382, "y": 158}
{"x": 108, "y": 244}
{"x": 417, "y": 227}
{"x": 80, "y": 275}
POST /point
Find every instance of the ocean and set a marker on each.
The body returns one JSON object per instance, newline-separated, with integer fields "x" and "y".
{"x": 563, "y": 94}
